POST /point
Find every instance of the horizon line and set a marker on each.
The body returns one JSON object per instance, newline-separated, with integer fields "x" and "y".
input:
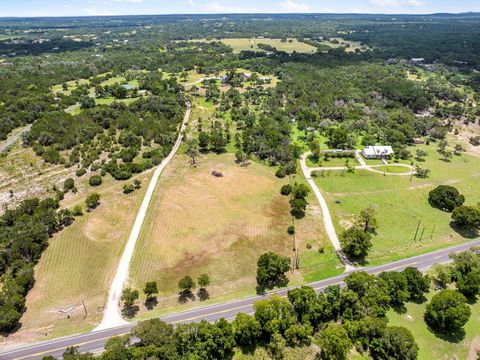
{"x": 236, "y": 14}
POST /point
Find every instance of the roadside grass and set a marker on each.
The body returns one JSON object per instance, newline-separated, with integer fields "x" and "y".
{"x": 401, "y": 204}
{"x": 432, "y": 346}
{"x": 198, "y": 223}
{"x": 251, "y": 44}
{"x": 79, "y": 264}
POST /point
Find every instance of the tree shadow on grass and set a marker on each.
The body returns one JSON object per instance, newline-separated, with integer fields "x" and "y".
{"x": 130, "y": 311}
{"x": 203, "y": 294}
{"x": 185, "y": 296}
{"x": 399, "y": 308}
{"x": 464, "y": 231}
{"x": 151, "y": 303}
{"x": 453, "y": 337}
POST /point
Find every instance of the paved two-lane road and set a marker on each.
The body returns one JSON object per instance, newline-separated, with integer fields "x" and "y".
{"x": 94, "y": 341}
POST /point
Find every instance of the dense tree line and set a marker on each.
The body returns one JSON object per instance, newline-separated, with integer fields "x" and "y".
{"x": 336, "y": 320}
{"x": 24, "y": 234}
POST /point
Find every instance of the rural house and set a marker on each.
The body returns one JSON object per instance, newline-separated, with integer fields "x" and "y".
{"x": 377, "y": 152}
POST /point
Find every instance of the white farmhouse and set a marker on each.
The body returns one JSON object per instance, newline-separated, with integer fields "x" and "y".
{"x": 377, "y": 152}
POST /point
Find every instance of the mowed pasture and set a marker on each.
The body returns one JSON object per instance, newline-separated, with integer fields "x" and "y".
{"x": 401, "y": 202}
{"x": 198, "y": 223}
{"x": 251, "y": 44}
{"x": 79, "y": 264}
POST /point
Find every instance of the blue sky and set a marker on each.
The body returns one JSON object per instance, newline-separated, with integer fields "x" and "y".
{"x": 124, "y": 7}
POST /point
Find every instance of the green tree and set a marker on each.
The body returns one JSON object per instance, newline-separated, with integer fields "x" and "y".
{"x": 92, "y": 200}
{"x": 355, "y": 243}
{"x": 397, "y": 343}
{"x": 129, "y": 296}
{"x": 447, "y": 311}
{"x": 247, "y": 330}
{"x": 366, "y": 330}
{"x": 203, "y": 281}
{"x": 275, "y": 315}
{"x": 468, "y": 216}
{"x": 334, "y": 343}
{"x": 367, "y": 220}
{"x": 417, "y": 284}
{"x": 192, "y": 151}
{"x": 186, "y": 284}
{"x": 466, "y": 272}
{"x": 397, "y": 287}
{"x": 445, "y": 198}
{"x": 150, "y": 290}
{"x": 276, "y": 347}
{"x": 299, "y": 335}
{"x": 271, "y": 270}
{"x": 9, "y": 317}
{"x": 365, "y": 295}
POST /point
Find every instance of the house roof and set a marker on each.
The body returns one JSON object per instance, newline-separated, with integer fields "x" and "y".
{"x": 378, "y": 150}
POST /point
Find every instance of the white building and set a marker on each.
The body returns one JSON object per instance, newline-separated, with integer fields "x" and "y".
{"x": 377, "y": 152}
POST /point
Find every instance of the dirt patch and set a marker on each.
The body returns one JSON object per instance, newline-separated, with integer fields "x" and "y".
{"x": 474, "y": 348}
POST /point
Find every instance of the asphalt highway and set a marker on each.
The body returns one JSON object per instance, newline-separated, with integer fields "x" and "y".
{"x": 94, "y": 341}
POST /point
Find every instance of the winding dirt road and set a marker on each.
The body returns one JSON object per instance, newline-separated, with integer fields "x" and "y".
{"x": 112, "y": 315}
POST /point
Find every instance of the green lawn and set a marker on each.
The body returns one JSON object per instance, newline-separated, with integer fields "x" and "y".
{"x": 431, "y": 346}
{"x": 330, "y": 162}
{"x": 401, "y": 203}
{"x": 393, "y": 169}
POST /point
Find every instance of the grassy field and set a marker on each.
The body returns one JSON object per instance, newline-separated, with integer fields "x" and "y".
{"x": 246, "y": 44}
{"x": 198, "y": 223}
{"x": 401, "y": 203}
{"x": 433, "y": 347}
{"x": 79, "y": 264}
{"x": 350, "y": 46}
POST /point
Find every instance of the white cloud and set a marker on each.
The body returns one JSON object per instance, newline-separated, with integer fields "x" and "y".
{"x": 294, "y": 7}
{"x": 397, "y": 3}
{"x": 218, "y": 7}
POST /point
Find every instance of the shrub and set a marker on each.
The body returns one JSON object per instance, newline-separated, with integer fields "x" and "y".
{"x": 127, "y": 189}
{"x": 92, "y": 200}
{"x": 280, "y": 173}
{"x": 68, "y": 184}
{"x": 80, "y": 172}
{"x": 95, "y": 180}
{"x": 286, "y": 190}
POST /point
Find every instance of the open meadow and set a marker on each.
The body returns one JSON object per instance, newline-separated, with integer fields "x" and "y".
{"x": 401, "y": 202}
{"x": 251, "y": 44}
{"x": 198, "y": 223}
